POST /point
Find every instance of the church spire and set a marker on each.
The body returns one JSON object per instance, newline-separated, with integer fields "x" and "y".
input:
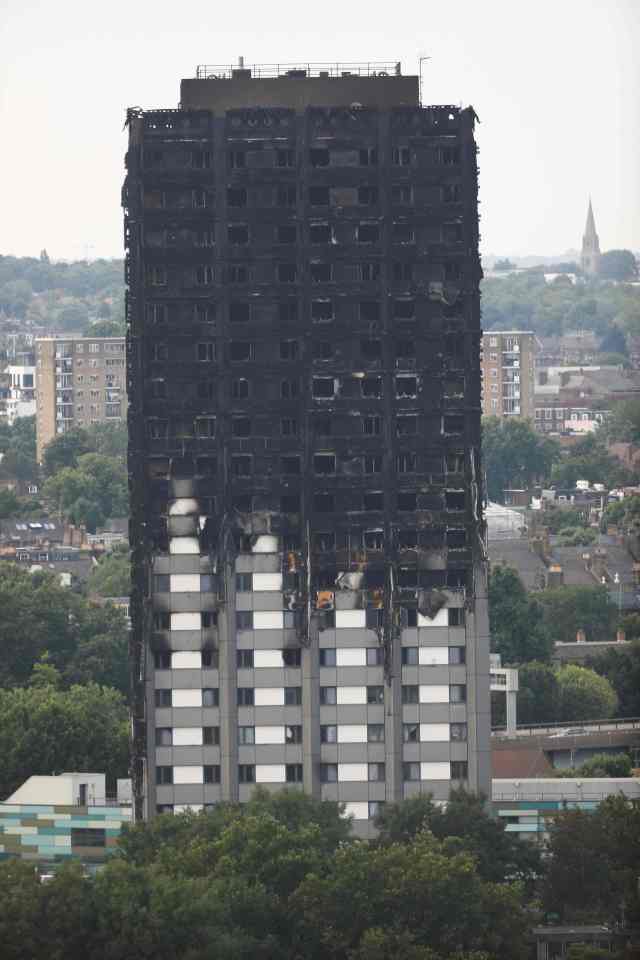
{"x": 590, "y": 245}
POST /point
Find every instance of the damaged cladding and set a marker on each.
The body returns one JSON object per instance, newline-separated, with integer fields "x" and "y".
{"x": 304, "y": 386}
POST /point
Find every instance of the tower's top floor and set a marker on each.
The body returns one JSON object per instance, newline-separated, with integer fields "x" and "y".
{"x": 223, "y": 87}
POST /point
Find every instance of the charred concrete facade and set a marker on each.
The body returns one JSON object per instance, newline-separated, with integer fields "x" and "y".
{"x": 309, "y": 601}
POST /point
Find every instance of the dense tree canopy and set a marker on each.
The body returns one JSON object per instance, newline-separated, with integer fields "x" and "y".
{"x": 621, "y": 667}
{"x": 18, "y": 446}
{"x": 516, "y": 620}
{"x": 112, "y": 576}
{"x": 82, "y": 640}
{"x": 514, "y": 454}
{"x": 44, "y": 730}
{"x": 563, "y": 694}
{"x": 618, "y": 265}
{"x": 569, "y": 609}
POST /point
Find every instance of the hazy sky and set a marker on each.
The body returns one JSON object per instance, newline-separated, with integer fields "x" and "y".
{"x": 556, "y": 84}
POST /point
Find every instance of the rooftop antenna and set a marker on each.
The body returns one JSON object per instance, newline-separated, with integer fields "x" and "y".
{"x": 241, "y": 62}
{"x": 421, "y": 59}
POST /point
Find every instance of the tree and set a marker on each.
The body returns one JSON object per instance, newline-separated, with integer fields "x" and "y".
{"x": 538, "y": 693}
{"x": 569, "y": 609}
{"x": 514, "y": 454}
{"x": 92, "y": 491}
{"x": 500, "y": 856}
{"x": 584, "y": 695}
{"x": 44, "y": 730}
{"x": 618, "y": 265}
{"x": 500, "y": 266}
{"x": 82, "y": 641}
{"x": 105, "y": 328}
{"x": 601, "y": 765}
{"x": 112, "y": 576}
{"x": 590, "y": 461}
{"x": 515, "y": 620}
{"x": 621, "y": 667}
{"x": 9, "y": 504}
{"x": 65, "y": 450}
{"x": 593, "y": 863}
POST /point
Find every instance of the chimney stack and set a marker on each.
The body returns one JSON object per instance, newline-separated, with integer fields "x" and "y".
{"x": 581, "y": 636}
{"x": 620, "y": 635}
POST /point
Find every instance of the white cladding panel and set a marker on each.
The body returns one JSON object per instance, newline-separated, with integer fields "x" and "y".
{"x": 268, "y": 620}
{"x": 434, "y": 732}
{"x": 267, "y": 581}
{"x": 184, "y": 507}
{"x": 434, "y": 693}
{"x": 187, "y": 736}
{"x": 269, "y": 735}
{"x": 184, "y": 545}
{"x": 433, "y": 656}
{"x": 359, "y": 810}
{"x": 270, "y": 773}
{"x": 351, "y": 618}
{"x": 186, "y": 698}
{"x": 185, "y": 621}
{"x": 188, "y": 775}
{"x": 352, "y": 733}
{"x": 351, "y": 656}
{"x": 267, "y": 658}
{"x": 435, "y": 771}
{"x": 186, "y": 660}
{"x": 268, "y": 696}
{"x": 184, "y": 583}
{"x": 353, "y": 772}
{"x": 441, "y": 619}
{"x": 346, "y": 695}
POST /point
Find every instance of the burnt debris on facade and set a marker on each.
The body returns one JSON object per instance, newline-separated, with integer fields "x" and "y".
{"x": 309, "y": 600}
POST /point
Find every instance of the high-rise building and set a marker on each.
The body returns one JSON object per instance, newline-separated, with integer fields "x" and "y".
{"x": 79, "y": 381}
{"x": 309, "y": 600}
{"x": 590, "y": 258}
{"x": 508, "y": 373}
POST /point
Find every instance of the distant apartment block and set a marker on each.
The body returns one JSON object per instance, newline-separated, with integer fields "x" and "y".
{"x": 79, "y": 381}
{"x": 21, "y": 401}
{"x": 508, "y": 359}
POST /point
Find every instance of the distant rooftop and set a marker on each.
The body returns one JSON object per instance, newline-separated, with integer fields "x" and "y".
{"x": 373, "y": 68}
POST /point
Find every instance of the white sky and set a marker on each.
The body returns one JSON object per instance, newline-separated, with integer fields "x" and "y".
{"x": 554, "y": 83}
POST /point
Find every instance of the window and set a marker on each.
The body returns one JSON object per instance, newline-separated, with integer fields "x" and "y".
{"x": 164, "y": 736}
{"x": 322, "y": 426}
{"x": 328, "y": 733}
{"x": 293, "y": 773}
{"x": 240, "y": 389}
{"x": 372, "y": 426}
{"x": 409, "y": 656}
{"x": 289, "y": 427}
{"x": 403, "y": 233}
{"x": 373, "y": 463}
{"x": 157, "y": 276}
{"x": 286, "y": 196}
{"x": 245, "y": 696}
{"x": 375, "y": 733}
{"x": 373, "y": 500}
{"x": 286, "y": 272}
{"x": 323, "y": 502}
{"x": 459, "y": 770}
{"x": 244, "y": 620}
{"x": 292, "y": 696}
{"x": 328, "y": 657}
{"x": 367, "y": 233}
{"x": 210, "y": 697}
{"x": 451, "y": 193}
{"x": 211, "y": 736}
{"x": 323, "y": 350}
{"x": 328, "y": 696}
{"x": 237, "y": 159}
{"x": 371, "y": 387}
{"x": 321, "y": 310}
{"x": 401, "y": 156}
{"x": 246, "y": 773}
{"x": 328, "y": 772}
{"x": 402, "y": 272}
{"x": 319, "y": 272}
{"x": 410, "y": 771}
{"x": 368, "y": 156}
{"x": 205, "y": 238}
{"x": 285, "y": 157}
{"x": 371, "y": 349}
{"x": 407, "y": 501}
{"x": 368, "y": 272}
{"x": 376, "y": 771}
{"x": 211, "y": 773}
{"x": 401, "y": 193}
{"x": 238, "y": 273}
{"x": 244, "y": 582}
{"x": 289, "y": 349}
{"x": 289, "y": 389}
{"x": 286, "y": 233}
{"x": 411, "y": 732}
{"x": 246, "y": 736}
{"x": 236, "y": 197}
{"x": 206, "y": 427}
{"x": 162, "y": 661}
{"x": 323, "y": 387}
{"x": 164, "y": 775}
{"x": 448, "y": 156}
{"x": 457, "y": 693}
{"x": 320, "y": 233}
{"x": 319, "y": 157}
{"x": 458, "y": 731}
{"x": 293, "y": 734}
{"x": 367, "y": 194}
{"x": 163, "y": 698}
{"x": 199, "y": 199}
{"x": 206, "y": 352}
{"x": 238, "y": 312}
{"x": 241, "y": 466}
{"x": 241, "y": 427}
{"x": 375, "y": 694}
{"x": 407, "y": 426}
{"x": 324, "y": 464}
{"x": 204, "y": 275}
{"x": 240, "y": 351}
{"x": 244, "y": 659}
{"x": 410, "y": 693}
